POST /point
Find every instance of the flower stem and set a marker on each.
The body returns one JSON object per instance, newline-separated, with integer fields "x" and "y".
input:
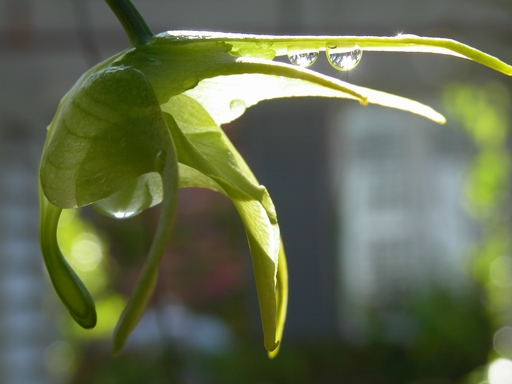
{"x": 134, "y": 25}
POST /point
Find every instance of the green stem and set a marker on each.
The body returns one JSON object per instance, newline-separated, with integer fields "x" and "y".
{"x": 134, "y": 25}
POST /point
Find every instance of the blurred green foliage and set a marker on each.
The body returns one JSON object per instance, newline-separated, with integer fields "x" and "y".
{"x": 483, "y": 111}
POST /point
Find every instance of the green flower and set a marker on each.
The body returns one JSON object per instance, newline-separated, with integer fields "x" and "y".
{"x": 146, "y": 122}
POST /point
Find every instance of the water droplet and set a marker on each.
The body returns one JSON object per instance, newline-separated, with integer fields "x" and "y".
{"x": 406, "y": 35}
{"x": 160, "y": 159}
{"x": 124, "y": 215}
{"x": 144, "y": 192}
{"x": 344, "y": 59}
{"x": 303, "y": 59}
{"x": 238, "y": 107}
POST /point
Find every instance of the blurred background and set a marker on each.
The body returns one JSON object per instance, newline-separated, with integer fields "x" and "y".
{"x": 397, "y": 230}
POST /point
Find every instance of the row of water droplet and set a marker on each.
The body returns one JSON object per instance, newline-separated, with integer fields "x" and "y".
{"x": 342, "y": 59}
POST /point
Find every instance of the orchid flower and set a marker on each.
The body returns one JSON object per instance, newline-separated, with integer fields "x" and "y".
{"x": 146, "y": 122}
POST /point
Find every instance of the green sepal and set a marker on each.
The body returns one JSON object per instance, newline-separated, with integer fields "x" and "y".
{"x": 268, "y": 47}
{"x": 267, "y": 254}
{"x": 208, "y": 159}
{"x": 281, "y": 298}
{"x": 147, "y": 280}
{"x": 70, "y": 289}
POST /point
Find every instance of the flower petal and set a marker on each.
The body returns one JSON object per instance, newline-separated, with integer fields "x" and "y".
{"x": 107, "y": 132}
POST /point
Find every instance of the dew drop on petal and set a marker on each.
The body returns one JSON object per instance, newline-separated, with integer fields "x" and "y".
{"x": 303, "y": 59}
{"x": 124, "y": 215}
{"x": 406, "y": 35}
{"x": 344, "y": 59}
{"x": 237, "y": 107}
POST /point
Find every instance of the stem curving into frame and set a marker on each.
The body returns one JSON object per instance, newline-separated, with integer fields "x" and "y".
{"x": 134, "y": 25}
